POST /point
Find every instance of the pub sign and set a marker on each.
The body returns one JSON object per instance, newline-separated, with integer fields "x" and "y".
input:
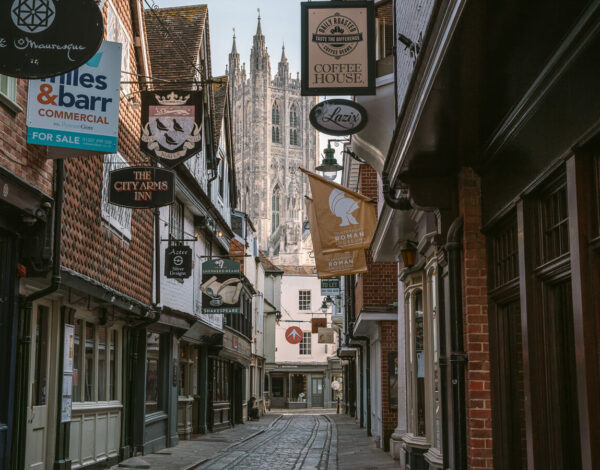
{"x": 171, "y": 125}
{"x": 178, "y": 262}
{"x": 141, "y": 187}
{"x": 338, "y": 48}
{"x": 46, "y": 38}
{"x": 221, "y": 286}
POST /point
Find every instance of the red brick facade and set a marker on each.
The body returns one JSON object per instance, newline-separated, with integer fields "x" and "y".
{"x": 478, "y": 385}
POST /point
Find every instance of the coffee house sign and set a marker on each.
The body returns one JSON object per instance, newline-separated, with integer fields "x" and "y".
{"x": 46, "y": 38}
{"x": 338, "y": 48}
{"x": 338, "y": 117}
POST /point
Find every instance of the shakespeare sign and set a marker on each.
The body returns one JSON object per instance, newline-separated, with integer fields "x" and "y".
{"x": 338, "y": 117}
{"x": 221, "y": 286}
{"x": 171, "y": 125}
{"x": 141, "y": 187}
{"x": 178, "y": 262}
{"x": 80, "y": 109}
{"x": 45, "y": 38}
{"x": 338, "y": 48}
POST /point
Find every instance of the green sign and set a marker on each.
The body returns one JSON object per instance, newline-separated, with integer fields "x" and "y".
{"x": 221, "y": 286}
{"x": 330, "y": 286}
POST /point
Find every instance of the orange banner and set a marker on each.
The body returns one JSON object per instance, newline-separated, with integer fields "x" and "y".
{"x": 346, "y": 220}
{"x": 333, "y": 264}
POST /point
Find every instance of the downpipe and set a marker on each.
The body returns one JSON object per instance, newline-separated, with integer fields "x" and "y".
{"x": 401, "y": 202}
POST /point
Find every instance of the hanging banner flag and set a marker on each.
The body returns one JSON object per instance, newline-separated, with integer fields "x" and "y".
{"x": 338, "y": 48}
{"x": 172, "y": 125}
{"x": 221, "y": 286}
{"x": 178, "y": 262}
{"x": 326, "y": 336}
{"x": 78, "y": 110}
{"x": 141, "y": 187}
{"x": 346, "y": 220}
{"x": 333, "y": 264}
{"x": 317, "y": 323}
{"x": 46, "y": 38}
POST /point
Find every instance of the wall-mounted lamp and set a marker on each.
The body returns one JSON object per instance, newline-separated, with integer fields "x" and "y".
{"x": 408, "y": 251}
{"x": 329, "y": 166}
{"x": 219, "y": 234}
{"x": 327, "y": 301}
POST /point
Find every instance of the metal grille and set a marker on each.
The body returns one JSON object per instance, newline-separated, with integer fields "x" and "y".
{"x": 554, "y": 224}
{"x": 505, "y": 256}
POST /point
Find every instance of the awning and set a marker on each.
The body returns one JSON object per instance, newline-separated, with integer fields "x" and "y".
{"x": 367, "y": 322}
{"x": 372, "y": 143}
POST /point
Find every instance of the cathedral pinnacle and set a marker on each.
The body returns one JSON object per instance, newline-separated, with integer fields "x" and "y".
{"x": 258, "y": 27}
{"x": 234, "y": 46}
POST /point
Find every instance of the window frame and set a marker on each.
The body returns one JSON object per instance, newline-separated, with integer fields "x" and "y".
{"x": 118, "y": 218}
{"x": 8, "y": 93}
{"x": 302, "y": 301}
{"x": 305, "y": 345}
{"x": 276, "y": 122}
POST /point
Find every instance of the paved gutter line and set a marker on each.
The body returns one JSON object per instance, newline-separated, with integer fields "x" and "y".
{"x": 333, "y": 449}
{"x": 306, "y": 449}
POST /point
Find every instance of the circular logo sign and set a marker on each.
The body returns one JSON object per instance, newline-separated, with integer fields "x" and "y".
{"x": 338, "y": 117}
{"x": 337, "y": 36}
{"x": 293, "y": 335}
{"x": 46, "y": 38}
{"x": 33, "y": 16}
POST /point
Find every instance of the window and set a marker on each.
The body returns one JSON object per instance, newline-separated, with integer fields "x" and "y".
{"x": 119, "y": 218}
{"x": 276, "y": 123}
{"x": 304, "y": 300}
{"x": 221, "y": 177}
{"x": 306, "y": 344}
{"x": 176, "y": 221}
{"x": 294, "y": 125}
{"x": 220, "y": 381}
{"x": 95, "y": 362}
{"x": 275, "y": 209}
{"x": 8, "y": 88}
{"x": 153, "y": 395}
{"x": 115, "y": 31}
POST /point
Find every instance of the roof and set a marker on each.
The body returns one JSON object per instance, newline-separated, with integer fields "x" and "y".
{"x": 220, "y": 90}
{"x": 170, "y": 57}
{"x": 268, "y": 264}
{"x": 299, "y": 270}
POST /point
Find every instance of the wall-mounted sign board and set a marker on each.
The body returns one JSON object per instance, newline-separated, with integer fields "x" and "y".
{"x": 338, "y": 48}
{"x": 338, "y": 117}
{"x": 78, "y": 110}
{"x": 46, "y": 38}
{"x": 326, "y": 336}
{"x": 141, "y": 187}
{"x": 221, "y": 286}
{"x": 178, "y": 262}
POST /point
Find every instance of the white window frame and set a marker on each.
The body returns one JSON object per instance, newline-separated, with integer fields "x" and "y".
{"x": 302, "y": 301}
{"x": 117, "y": 217}
{"x": 305, "y": 346}
{"x": 8, "y": 92}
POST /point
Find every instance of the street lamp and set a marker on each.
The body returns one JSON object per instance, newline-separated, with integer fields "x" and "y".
{"x": 329, "y": 166}
{"x": 408, "y": 251}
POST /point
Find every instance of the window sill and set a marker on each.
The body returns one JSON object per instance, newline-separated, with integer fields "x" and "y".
{"x": 155, "y": 417}
{"x": 10, "y": 104}
{"x": 96, "y": 405}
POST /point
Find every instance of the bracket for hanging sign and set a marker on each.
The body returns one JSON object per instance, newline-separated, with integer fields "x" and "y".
{"x": 182, "y": 240}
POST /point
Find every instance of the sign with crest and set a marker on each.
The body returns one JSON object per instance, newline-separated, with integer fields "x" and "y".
{"x": 171, "y": 125}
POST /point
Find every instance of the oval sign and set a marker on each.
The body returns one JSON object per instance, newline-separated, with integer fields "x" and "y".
{"x": 338, "y": 117}
{"x": 141, "y": 187}
{"x": 46, "y": 38}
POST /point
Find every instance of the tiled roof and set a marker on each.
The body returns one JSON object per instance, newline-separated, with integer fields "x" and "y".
{"x": 299, "y": 270}
{"x": 268, "y": 264}
{"x": 171, "y": 56}
{"x": 220, "y": 99}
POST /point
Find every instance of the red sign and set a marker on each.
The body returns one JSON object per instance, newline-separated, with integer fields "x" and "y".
{"x": 293, "y": 334}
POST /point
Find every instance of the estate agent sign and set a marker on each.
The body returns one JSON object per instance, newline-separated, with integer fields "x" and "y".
{"x": 78, "y": 110}
{"x": 45, "y": 38}
{"x": 221, "y": 286}
{"x": 338, "y": 48}
{"x": 141, "y": 187}
{"x": 338, "y": 117}
{"x": 171, "y": 125}
{"x": 178, "y": 262}
{"x": 330, "y": 287}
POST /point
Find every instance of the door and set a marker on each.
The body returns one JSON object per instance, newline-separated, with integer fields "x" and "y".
{"x": 37, "y": 404}
{"x": 317, "y": 392}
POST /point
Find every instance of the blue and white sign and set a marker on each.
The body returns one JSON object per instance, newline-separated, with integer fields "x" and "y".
{"x": 78, "y": 110}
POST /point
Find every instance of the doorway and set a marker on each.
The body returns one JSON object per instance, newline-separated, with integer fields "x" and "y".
{"x": 317, "y": 392}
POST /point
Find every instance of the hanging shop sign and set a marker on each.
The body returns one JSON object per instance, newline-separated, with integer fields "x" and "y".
{"x": 330, "y": 287}
{"x": 46, "y": 38}
{"x": 293, "y": 335}
{"x": 326, "y": 336}
{"x": 317, "y": 323}
{"x": 78, "y": 110}
{"x": 338, "y": 117}
{"x": 221, "y": 286}
{"x": 338, "y": 48}
{"x": 141, "y": 187}
{"x": 171, "y": 125}
{"x": 178, "y": 262}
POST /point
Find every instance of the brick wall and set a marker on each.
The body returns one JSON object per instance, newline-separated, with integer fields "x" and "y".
{"x": 478, "y": 399}
{"x": 389, "y": 344}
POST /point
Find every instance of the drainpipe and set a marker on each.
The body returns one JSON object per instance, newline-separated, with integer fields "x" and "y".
{"x": 458, "y": 357}
{"x": 402, "y": 202}
{"x": 25, "y": 321}
{"x": 368, "y": 377}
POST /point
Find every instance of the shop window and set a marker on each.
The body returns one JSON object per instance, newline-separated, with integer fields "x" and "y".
{"x": 277, "y": 387}
{"x": 306, "y": 344}
{"x": 420, "y": 364}
{"x": 95, "y": 362}
{"x": 187, "y": 378}
{"x": 304, "y": 300}
{"x": 298, "y": 388}
{"x": 153, "y": 389}
{"x": 8, "y": 88}
{"x": 220, "y": 381}
{"x": 505, "y": 255}
{"x": 554, "y": 225}
{"x": 435, "y": 357}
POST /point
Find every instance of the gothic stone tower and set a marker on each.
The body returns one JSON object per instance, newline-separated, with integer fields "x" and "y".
{"x": 273, "y": 137}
